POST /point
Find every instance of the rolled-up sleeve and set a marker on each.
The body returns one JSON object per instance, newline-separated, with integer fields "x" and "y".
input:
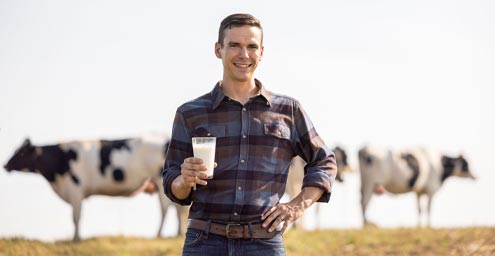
{"x": 180, "y": 148}
{"x": 321, "y": 168}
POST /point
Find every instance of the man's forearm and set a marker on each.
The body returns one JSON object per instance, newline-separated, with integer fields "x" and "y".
{"x": 179, "y": 188}
{"x": 307, "y": 197}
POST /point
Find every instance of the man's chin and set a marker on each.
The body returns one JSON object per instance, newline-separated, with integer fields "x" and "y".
{"x": 244, "y": 78}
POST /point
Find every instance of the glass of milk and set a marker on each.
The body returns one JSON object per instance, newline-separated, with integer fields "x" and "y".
{"x": 204, "y": 148}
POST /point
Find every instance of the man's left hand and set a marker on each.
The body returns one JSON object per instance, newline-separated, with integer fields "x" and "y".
{"x": 291, "y": 211}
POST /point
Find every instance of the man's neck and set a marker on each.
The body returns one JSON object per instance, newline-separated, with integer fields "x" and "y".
{"x": 240, "y": 91}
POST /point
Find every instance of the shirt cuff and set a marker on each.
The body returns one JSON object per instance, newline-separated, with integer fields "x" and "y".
{"x": 321, "y": 182}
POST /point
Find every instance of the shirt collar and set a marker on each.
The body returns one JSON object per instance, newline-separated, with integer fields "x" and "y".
{"x": 218, "y": 96}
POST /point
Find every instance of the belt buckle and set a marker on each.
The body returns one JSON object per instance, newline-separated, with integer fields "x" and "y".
{"x": 227, "y": 229}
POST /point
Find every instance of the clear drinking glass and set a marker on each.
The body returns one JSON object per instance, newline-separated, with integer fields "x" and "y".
{"x": 204, "y": 148}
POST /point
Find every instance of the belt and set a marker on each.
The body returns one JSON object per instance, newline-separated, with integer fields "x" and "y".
{"x": 232, "y": 230}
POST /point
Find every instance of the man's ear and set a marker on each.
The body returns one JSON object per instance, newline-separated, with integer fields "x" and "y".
{"x": 217, "y": 50}
{"x": 262, "y": 50}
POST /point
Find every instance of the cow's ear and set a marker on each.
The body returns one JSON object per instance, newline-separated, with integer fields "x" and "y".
{"x": 27, "y": 142}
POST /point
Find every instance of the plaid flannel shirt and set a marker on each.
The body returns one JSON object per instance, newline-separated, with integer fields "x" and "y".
{"x": 255, "y": 145}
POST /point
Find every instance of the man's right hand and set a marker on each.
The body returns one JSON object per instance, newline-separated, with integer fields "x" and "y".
{"x": 192, "y": 172}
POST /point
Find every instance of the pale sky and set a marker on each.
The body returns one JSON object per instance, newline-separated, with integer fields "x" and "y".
{"x": 393, "y": 73}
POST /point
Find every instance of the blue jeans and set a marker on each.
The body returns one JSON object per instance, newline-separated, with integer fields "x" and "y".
{"x": 198, "y": 242}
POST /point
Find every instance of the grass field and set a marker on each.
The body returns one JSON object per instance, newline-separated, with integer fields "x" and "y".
{"x": 368, "y": 241}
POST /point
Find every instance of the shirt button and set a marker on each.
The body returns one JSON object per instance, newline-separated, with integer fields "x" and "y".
{"x": 242, "y": 161}
{"x": 235, "y": 214}
{"x": 209, "y": 134}
{"x": 239, "y": 188}
{"x": 244, "y": 109}
{"x": 244, "y": 136}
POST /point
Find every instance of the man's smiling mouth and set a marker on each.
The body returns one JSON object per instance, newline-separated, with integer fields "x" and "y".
{"x": 239, "y": 65}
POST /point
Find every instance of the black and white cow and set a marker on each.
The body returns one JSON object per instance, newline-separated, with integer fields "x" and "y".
{"x": 79, "y": 169}
{"x": 296, "y": 175}
{"x": 420, "y": 170}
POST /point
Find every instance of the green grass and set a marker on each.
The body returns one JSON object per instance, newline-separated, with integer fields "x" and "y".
{"x": 368, "y": 241}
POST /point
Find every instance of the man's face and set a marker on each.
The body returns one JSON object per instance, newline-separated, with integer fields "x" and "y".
{"x": 241, "y": 52}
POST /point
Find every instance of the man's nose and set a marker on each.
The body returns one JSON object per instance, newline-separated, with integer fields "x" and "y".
{"x": 244, "y": 52}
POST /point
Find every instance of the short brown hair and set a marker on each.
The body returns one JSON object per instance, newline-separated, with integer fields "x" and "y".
{"x": 238, "y": 20}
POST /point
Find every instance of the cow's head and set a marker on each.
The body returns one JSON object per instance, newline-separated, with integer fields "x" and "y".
{"x": 342, "y": 163}
{"x": 456, "y": 166}
{"x": 462, "y": 168}
{"x": 23, "y": 158}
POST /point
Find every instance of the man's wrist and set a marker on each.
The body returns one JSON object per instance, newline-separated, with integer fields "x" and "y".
{"x": 309, "y": 195}
{"x": 179, "y": 188}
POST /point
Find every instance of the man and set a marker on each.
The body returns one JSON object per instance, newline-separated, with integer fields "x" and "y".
{"x": 257, "y": 132}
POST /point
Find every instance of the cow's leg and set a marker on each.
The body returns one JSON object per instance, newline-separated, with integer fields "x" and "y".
{"x": 428, "y": 213}
{"x": 163, "y": 211}
{"x": 164, "y": 203}
{"x": 183, "y": 214}
{"x": 76, "y": 216}
{"x": 418, "y": 197}
{"x": 366, "y": 193}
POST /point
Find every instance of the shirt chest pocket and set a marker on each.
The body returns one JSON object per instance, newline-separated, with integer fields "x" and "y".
{"x": 277, "y": 130}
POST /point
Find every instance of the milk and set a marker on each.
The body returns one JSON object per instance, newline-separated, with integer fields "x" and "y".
{"x": 204, "y": 148}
